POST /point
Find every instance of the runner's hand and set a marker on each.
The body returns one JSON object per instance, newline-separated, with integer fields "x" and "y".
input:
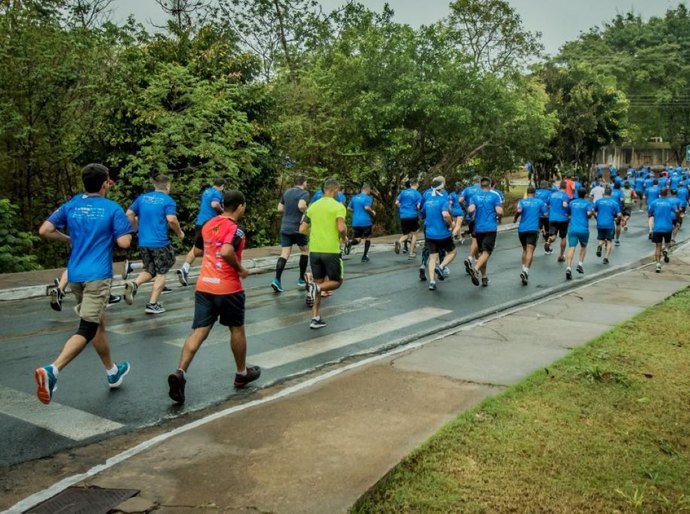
{"x": 244, "y": 273}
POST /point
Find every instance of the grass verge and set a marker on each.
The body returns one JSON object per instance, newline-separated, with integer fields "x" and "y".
{"x": 605, "y": 429}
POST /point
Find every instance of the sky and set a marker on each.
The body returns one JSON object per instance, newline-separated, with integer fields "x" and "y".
{"x": 558, "y": 20}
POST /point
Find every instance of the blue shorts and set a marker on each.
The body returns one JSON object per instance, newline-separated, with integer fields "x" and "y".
{"x": 606, "y": 234}
{"x": 575, "y": 238}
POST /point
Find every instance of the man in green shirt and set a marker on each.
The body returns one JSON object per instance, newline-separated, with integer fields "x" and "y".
{"x": 324, "y": 221}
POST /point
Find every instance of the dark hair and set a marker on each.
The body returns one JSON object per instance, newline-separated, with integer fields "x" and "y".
{"x": 582, "y": 193}
{"x": 93, "y": 176}
{"x": 220, "y": 181}
{"x": 299, "y": 180}
{"x": 655, "y": 182}
{"x": 674, "y": 191}
{"x": 607, "y": 191}
{"x": 366, "y": 186}
{"x": 232, "y": 200}
{"x": 544, "y": 184}
{"x": 408, "y": 183}
{"x": 563, "y": 185}
{"x": 485, "y": 180}
{"x": 531, "y": 190}
{"x": 330, "y": 184}
{"x": 160, "y": 181}
{"x": 617, "y": 185}
{"x": 664, "y": 192}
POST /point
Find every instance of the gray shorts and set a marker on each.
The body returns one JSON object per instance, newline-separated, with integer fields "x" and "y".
{"x": 92, "y": 298}
{"x": 158, "y": 261}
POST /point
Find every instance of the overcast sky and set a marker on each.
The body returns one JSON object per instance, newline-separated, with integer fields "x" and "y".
{"x": 558, "y": 20}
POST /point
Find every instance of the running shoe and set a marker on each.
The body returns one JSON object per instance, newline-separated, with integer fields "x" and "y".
{"x": 183, "y": 277}
{"x": 568, "y": 274}
{"x": 253, "y": 372}
{"x": 547, "y": 249}
{"x": 113, "y": 299}
{"x": 348, "y": 248}
{"x": 317, "y": 323}
{"x": 277, "y": 286}
{"x": 396, "y": 247}
{"x": 625, "y": 228}
{"x": 605, "y": 261}
{"x": 485, "y": 281}
{"x": 301, "y": 283}
{"x": 56, "y": 296}
{"x": 127, "y": 269}
{"x": 666, "y": 258}
{"x": 166, "y": 290}
{"x": 525, "y": 278}
{"x": 405, "y": 249}
{"x": 154, "y": 308}
{"x": 130, "y": 292}
{"x": 176, "y": 383}
{"x": 422, "y": 275}
{"x": 432, "y": 286}
{"x": 474, "y": 276}
{"x": 580, "y": 269}
{"x": 439, "y": 273}
{"x": 617, "y": 242}
{"x": 115, "y": 381}
{"x": 561, "y": 258}
{"x": 468, "y": 266}
{"x": 650, "y": 236}
{"x": 46, "y": 384}
{"x": 312, "y": 290}
{"x": 365, "y": 258}
{"x": 598, "y": 251}
{"x": 658, "y": 267}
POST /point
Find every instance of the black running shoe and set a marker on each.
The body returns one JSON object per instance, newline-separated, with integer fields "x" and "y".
{"x": 666, "y": 258}
{"x": 485, "y": 281}
{"x": 568, "y": 274}
{"x": 348, "y": 248}
{"x": 253, "y": 372}
{"x": 524, "y": 278}
{"x": 468, "y": 266}
{"x": 605, "y": 261}
{"x": 130, "y": 292}
{"x": 312, "y": 290}
{"x": 166, "y": 290}
{"x": 474, "y": 275}
{"x": 561, "y": 258}
{"x": 114, "y": 298}
{"x": 56, "y": 296}
{"x": 580, "y": 269}
{"x": 422, "y": 275}
{"x": 317, "y": 323}
{"x": 176, "y": 383}
{"x": 396, "y": 247}
{"x": 365, "y": 258}
{"x": 432, "y": 286}
{"x": 183, "y": 276}
{"x": 598, "y": 251}
{"x": 439, "y": 273}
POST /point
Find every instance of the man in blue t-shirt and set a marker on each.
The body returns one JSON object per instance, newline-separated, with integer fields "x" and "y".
{"x": 530, "y": 211}
{"x": 639, "y": 189}
{"x": 408, "y": 203}
{"x": 558, "y": 220}
{"x": 661, "y": 215}
{"x": 360, "y": 205}
{"x": 456, "y": 211}
{"x": 608, "y": 212}
{"x": 210, "y": 206}
{"x": 581, "y": 210}
{"x": 465, "y": 200}
{"x": 486, "y": 207}
{"x": 152, "y": 214}
{"x": 438, "y": 233}
{"x": 653, "y": 192}
{"x": 678, "y": 217}
{"x": 544, "y": 194}
{"x": 94, "y": 223}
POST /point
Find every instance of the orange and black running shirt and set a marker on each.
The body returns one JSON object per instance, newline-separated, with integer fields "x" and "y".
{"x": 217, "y": 276}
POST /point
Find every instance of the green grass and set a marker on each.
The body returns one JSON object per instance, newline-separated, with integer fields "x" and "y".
{"x": 606, "y": 429}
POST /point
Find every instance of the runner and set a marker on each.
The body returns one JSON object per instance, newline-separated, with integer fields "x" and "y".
{"x": 57, "y": 293}
{"x": 211, "y": 205}
{"x": 661, "y": 214}
{"x": 629, "y": 197}
{"x": 292, "y": 204}
{"x": 360, "y": 205}
{"x": 466, "y": 199}
{"x": 487, "y": 207}
{"x": 438, "y": 234}
{"x": 94, "y": 223}
{"x": 325, "y": 222}
{"x": 618, "y": 195}
{"x": 558, "y": 221}
{"x": 219, "y": 294}
{"x": 639, "y": 189}
{"x": 544, "y": 194}
{"x": 678, "y": 214}
{"x": 437, "y": 187}
{"x": 608, "y": 211}
{"x": 581, "y": 210}
{"x": 597, "y": 191}
{"x": 152, "y": 214}
{"x": 530, "y": 211}
{"x": 653, "y": 192}
{"x": 457, "y": 212}
{"x": 409, "y": 202}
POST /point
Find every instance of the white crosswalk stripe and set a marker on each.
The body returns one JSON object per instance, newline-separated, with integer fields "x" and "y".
{"x": 59, "y": 419}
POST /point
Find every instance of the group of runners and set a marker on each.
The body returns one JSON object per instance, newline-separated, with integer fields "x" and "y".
{"x": 319, "y": 229}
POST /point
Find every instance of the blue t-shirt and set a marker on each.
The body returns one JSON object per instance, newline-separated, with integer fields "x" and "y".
{"x": 652, "y": 194}
{"x": 675, "y": 180}
{"x": 639, "y": 185}
{"x": 617, "y": 195}
{"x": 467, "y": 195}
{"x": 410, "y": 200}
{"x": 485, "y": 217}
{"x": 556, "y": 210}
{"x": 607, "y": 210}
{"x": 340, "y": 197}
{"x": 94, "y": 224}
{"x": 676, "y": 203}
{"x": 360, "y": 217}
{"x": 544, "y": 195}
{"x": 435, "y": 227}
{"x": 152, "y": 209}
{"x": 455, "y": 205}
{"x": 664, "y": 213}
{"x": 683, "y": 195}
{"x": 663, "y": 181}
{"x": 531, "y": 210}
{"x": 580, "y": 210}
{"x": 206, "y": 212}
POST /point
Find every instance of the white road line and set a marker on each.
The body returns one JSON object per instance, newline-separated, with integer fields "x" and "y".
{"x": 66, "y": 421}
{"x": 299, "y": 351}
{"x": 269, "y": 325}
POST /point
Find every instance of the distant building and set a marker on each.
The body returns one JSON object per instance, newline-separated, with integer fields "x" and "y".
{"x": 654, "y": 153}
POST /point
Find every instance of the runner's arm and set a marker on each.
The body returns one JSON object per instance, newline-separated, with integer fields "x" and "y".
{"x": 227, "y": 252}
{"x": 342, "y": 229}
{"x": 216, "y": 206}
{"x": 125, "y": 241}
{"x": 174, "y": 224}
{"x": 305, "y": 225}
{"x": 301, "y": 205}
{"x": 49, "y": 231}
{"x": 133, "y": 220}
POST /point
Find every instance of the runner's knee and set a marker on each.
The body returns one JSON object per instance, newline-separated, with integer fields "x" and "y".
{"x": 87, "y": 329}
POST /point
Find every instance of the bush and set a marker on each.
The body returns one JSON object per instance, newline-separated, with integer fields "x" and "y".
{"x": 16, "y": 247}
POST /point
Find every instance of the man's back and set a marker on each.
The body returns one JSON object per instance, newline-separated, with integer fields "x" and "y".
{"x": 324, "y": 236}
{"x": 152, "y": 210}
{"x": 292, "y": 215}
{"x": 206, "y": 210}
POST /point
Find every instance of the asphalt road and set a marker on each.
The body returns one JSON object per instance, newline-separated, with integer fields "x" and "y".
{"x": 381, "y": 303}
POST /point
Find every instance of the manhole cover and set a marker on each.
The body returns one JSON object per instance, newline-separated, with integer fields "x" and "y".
{"x": 83, "y": 500}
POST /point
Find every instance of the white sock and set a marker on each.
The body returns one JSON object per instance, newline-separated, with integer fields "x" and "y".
{"x": 243, "y": 372}
{"x": 525, "y": 269}
{"x": 579, "y": 263}
{"x": 112, "y": 371}
{"x": 184, "y": 374}
{"x": 54, "y": 369}
{"x": 185, "y": 267}
{"x": 136, "y": 265}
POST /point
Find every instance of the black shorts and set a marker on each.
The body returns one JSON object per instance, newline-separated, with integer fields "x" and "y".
{"x": 359, "y": 232}
{"x": 158, "y": 261}
{"x": 558, "y": 227}
{"x": 662, "y": 237}
{"x": 437, "y": 245}
{"x": 209, "y": 307}
{"x": 198, "y": 236}
{"x": 544, "y": 225}
{"x": 326, "y": 265}
{"x": 486, "y": 241}
{"x": 470, "y": 227}
{"x": 627, "y": 212}
{"x": 287, "y": 240}
{"x": 409, "y": 225}
{"x": 529, "y": 238}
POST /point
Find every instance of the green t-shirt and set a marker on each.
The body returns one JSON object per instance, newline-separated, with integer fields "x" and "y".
{"x": 322, "y": 215}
